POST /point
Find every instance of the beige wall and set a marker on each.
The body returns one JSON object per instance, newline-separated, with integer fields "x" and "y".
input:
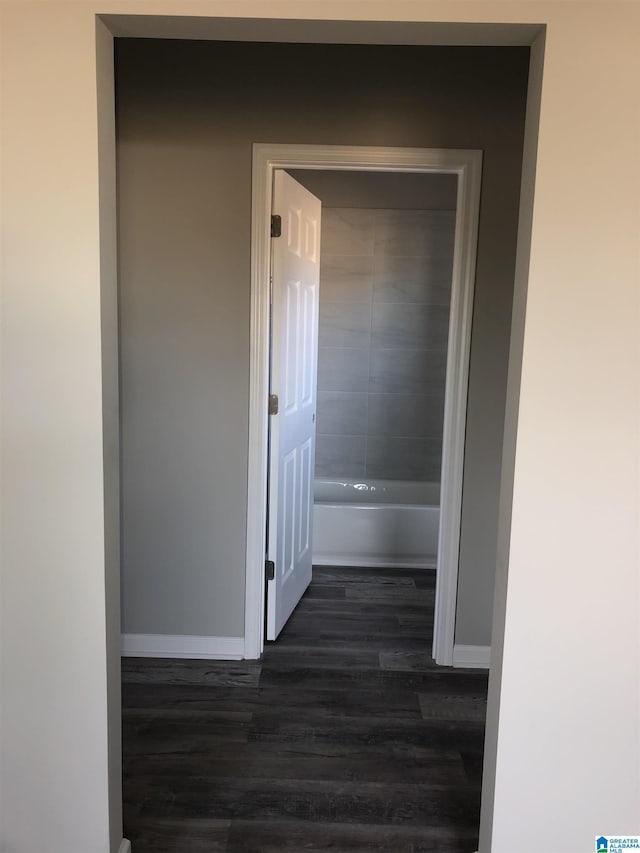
{"x": 185, "y": 130}
{"x": 563, "y": 761}
{"x": 573, "y": 551}
{"x": 58, "y": 766}
{"x": 110, "y": 409}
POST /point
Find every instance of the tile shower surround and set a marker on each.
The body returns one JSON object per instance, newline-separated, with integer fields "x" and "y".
{"x": 385, "y": 289}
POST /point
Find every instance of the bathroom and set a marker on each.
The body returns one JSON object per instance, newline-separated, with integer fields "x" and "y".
{"x": 385, "y": 291}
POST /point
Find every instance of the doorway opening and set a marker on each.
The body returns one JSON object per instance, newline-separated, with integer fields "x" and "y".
{"x": 148, "y": 634}
{"x": 270, "y": 161}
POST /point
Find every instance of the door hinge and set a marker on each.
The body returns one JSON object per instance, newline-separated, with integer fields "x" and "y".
{"x": 270, "y": 570}
{"x": 276, "y": 225}
{"x": 273, "y": 404}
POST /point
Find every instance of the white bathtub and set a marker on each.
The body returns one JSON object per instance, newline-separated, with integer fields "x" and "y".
{"x": 375, "y": 523}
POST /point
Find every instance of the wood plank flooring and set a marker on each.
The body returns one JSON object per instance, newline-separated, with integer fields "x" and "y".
{"x": 345, "y": 737}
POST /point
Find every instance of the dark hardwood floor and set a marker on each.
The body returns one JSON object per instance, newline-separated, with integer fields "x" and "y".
{"x": 345, "y": 737}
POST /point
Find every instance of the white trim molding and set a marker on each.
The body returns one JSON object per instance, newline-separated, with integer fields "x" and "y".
{"x": 467, "y": 165}
{"x": 125, "y": 846}
{"x": 182, "y": 646}
{"x": 455, "y": 402}
{"x": 471, "y": 657}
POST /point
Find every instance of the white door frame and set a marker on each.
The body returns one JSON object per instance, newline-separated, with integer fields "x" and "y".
{"x": 467, "y": 165}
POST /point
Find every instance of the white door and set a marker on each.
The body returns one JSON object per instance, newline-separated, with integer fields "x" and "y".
{"x": 295, "y": 270}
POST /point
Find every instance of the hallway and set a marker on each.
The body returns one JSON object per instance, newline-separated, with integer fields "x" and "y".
{"x": 345, "y": 736}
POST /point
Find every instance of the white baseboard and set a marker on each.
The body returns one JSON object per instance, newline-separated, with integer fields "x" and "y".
{"x": 125, "y": 846}
{"x": 348, "y": 561}
{"x": 472, "y": 657}
{"x": 182, "y": 646}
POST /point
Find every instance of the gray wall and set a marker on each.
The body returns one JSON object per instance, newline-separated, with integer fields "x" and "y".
{"x": 380, "y": 190}
{"x": 385, "y": 288}
{"x": 188, "y": 113}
